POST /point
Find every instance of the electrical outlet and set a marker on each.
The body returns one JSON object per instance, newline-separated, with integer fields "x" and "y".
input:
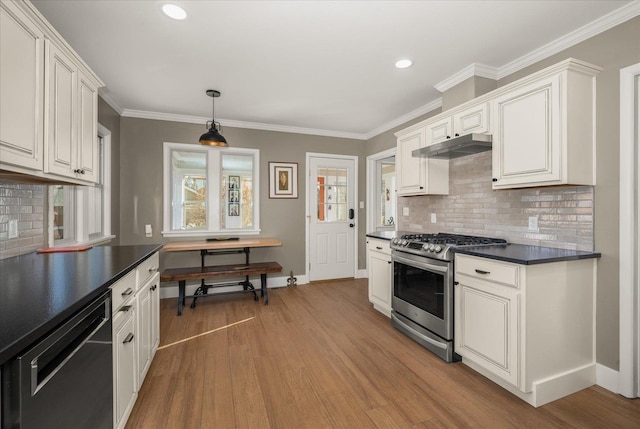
{"x": 405, "y": 211}
{"x": 361, "y": 204}
{"x": 434, "y": 218}
{"x": 533, "y": 223}
{"x": 148, "y": 231}
{"x": 13, "y": 228}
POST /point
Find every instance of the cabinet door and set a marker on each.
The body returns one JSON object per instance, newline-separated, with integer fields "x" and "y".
{"x": 60, "y": 146}
{"x": 155, "y": 313}
{"x": 380, "y": 280}
{"x": 475, "y": 119}
{"x": 88, "y": 146}
{"x": 125, "y": 366}
{"x": 21, "y": 86}
{"x": 410, "y": 171}
{"x": 143, "y": 343}
{"x": 439, "y": 131}
{"x": 486, "y": 329}
{"x": 527, "y": 144}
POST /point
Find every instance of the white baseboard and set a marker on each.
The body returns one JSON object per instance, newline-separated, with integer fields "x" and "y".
{"x": 607, "y": 378}
{"x": 362, "y": 274}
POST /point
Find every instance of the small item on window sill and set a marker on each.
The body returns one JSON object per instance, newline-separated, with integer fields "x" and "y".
{"x": 223, "y": 238}
{"x": 64, "y": 249}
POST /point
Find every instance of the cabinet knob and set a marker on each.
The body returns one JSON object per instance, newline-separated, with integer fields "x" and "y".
{"x": 127, "y": 292}
{"x": 378, "y": 247}
{"x": 457, "y": 135}
{"x": 153, "y": 288}
{"x": 82, "y": 171}
{"x": 494, "y": 180}
{"x": 388, "y": 262}
{"x": 128, "y": 339}
{"x": 421, "y": 187}
{"x": 448, "y": 137}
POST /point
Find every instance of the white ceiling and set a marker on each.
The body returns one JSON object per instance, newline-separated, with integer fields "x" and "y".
{"x": 323, "y": 67}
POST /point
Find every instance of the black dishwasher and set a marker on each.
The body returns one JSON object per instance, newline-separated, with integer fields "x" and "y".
{"x": 65, "y": 380}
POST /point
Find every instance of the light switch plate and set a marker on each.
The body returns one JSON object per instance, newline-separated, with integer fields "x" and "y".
{"x": 405, "y": 211}
{"x": 533, "y": 223}
{"x": 148, "y": 231}
{"x": 434, "y": 218}
{"x": 13, "y": 228}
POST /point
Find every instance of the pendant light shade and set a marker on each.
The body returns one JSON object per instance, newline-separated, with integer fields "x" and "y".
{"x": 213, "y": 137}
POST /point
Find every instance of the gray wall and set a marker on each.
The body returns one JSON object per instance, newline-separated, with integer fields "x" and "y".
{"x": 141, "y": 143}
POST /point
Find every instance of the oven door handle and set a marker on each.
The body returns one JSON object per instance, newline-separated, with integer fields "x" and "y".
{"x": 420, "y": 335}
{"x": 422, "y": 265}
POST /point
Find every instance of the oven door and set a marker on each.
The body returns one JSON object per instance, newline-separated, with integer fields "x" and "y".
{"x": 423, "y": 292}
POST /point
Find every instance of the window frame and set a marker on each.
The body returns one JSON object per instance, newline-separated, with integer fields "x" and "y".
{"x": 214, "y": 183}
{"x": 77, "y": 200}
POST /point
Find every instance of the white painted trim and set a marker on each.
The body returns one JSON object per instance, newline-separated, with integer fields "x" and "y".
{"x": 158, "y": 116}
{"x": 308, "y": 157}
{"x": 371, "y": 188}
{"x": 170, "y": 289}
{"x": 362, "y": 274}
{"x": 474, "y": 69}
{"x": 110, "y": 101}
{"x": 435, "y": 104}
{"x": 629, "y": 287}
{"x": 105, "y": 133}
{"x": 607, "y": 378}
{"x": 618, "y": 16}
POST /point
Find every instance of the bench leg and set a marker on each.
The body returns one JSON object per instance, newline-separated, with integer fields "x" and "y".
{"x": 181, "y": 287}
{"x": 263, "y": 287}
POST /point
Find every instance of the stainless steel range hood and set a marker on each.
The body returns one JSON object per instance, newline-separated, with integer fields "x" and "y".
{"x": 456, "y": 147}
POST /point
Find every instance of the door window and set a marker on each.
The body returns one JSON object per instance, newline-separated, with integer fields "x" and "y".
{"x": 332, "y": 194}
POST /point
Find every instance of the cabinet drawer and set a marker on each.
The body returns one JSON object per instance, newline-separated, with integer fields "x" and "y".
{"x": 487, "y": 269}
{"x": 146, "y": 269}
{"x": 122, "y": 290}
{"x": 379, "y": 245}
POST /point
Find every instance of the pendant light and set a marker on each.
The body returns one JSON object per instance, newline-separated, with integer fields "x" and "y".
{"x": 213, "y": 137}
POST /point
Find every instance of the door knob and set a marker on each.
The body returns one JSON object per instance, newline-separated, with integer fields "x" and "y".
{"x": 351, "y": 225}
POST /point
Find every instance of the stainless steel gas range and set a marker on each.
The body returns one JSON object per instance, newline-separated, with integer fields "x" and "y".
{"x": 422, "y": 302}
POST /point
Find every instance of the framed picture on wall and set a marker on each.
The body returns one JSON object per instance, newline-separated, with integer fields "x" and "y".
{"x": 283, "y": 180}
{"x": 234, "y": 209}
{"x": 234, "y": 182}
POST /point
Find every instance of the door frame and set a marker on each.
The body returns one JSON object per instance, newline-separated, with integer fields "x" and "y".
{"x": 372, "y": 187}
{"x": 308, "y": 204}
{"x": 629, "y": 372}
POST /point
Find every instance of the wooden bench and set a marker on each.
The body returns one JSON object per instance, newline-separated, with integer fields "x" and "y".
{"x": 181, "y": 275}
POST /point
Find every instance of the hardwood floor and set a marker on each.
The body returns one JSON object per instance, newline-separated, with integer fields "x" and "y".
{"x": 319, "y": 356}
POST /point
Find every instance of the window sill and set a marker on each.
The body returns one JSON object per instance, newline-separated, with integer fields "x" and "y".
{"x": 92, "y": 242}
{"x": 205, "y": 234}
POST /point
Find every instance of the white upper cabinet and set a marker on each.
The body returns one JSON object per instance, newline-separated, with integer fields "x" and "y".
{"x": 419, "y": 176}
{"x": 49, "y": 98}
{"x": 473, "y": 119}
{"x": 543, "y": 129}
{"x": 21, "y": 86}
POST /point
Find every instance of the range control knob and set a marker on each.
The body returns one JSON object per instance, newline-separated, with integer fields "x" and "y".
{"x": 425, "y": 247}
{"x": 405, "y": 242}
{"x": 395, "y": 241}
{"x": 438, "y": 248}
{"x": 432, "y": 248}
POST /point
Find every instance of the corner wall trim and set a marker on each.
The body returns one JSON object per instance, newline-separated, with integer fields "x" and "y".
{"x": 607, "y": 378}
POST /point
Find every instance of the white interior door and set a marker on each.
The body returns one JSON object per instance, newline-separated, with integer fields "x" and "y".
{"x": 332, "y": 216}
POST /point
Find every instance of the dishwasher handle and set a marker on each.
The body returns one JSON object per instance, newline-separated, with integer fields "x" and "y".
{"x": 48, "y": 357}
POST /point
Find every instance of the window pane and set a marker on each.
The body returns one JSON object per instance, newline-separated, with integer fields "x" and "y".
{"x": 189, "y": 190}
{"x": 236, "y": 210}
{"x": 332, "y": 194}
{"x": 58, "y": 212}
{"x": 63, "y": 214}
{"x": 387, "y": 202}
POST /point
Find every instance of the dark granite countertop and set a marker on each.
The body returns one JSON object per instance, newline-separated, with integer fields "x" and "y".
{"x": 383, "y": 235}
{"x": 525, "y": 254}
{"x": 39, "y": 291}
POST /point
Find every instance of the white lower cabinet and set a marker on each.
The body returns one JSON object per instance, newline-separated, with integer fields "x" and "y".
{"x": 124, "y": 337}
{"x": 529, "y": 328}
{"x": 380, "y": 274}
{"x": 136, "y": 334}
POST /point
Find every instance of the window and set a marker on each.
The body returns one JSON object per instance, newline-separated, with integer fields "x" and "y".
{"x": 210, "y": 191}
{"x": 81, "y": 214}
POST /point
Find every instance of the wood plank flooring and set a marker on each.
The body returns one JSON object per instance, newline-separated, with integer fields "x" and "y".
{"x": 319, "y": 356}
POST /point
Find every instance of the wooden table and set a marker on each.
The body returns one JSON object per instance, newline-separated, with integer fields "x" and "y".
{"x": 221, "y": 247}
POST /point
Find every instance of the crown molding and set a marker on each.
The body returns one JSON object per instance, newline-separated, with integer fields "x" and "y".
{"x": 405, "y": 118}
{"x": 110, "y": 101}
{"x": 141, "y": 114}
{"x": 585, "y": 32}
{"x": 474, "y": 69}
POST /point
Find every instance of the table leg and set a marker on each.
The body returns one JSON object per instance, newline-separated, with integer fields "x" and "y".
{"x": 181, "y": 287}
{"x": 263, "y": 287}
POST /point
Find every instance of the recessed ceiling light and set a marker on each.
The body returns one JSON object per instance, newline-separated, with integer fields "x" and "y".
{"x": 403, "y": 64}
{"x": 174, "y": 11}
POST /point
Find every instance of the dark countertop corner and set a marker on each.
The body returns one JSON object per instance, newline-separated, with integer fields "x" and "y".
{"x": 383, "y": 235}
{"x": 526, "y": 254}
